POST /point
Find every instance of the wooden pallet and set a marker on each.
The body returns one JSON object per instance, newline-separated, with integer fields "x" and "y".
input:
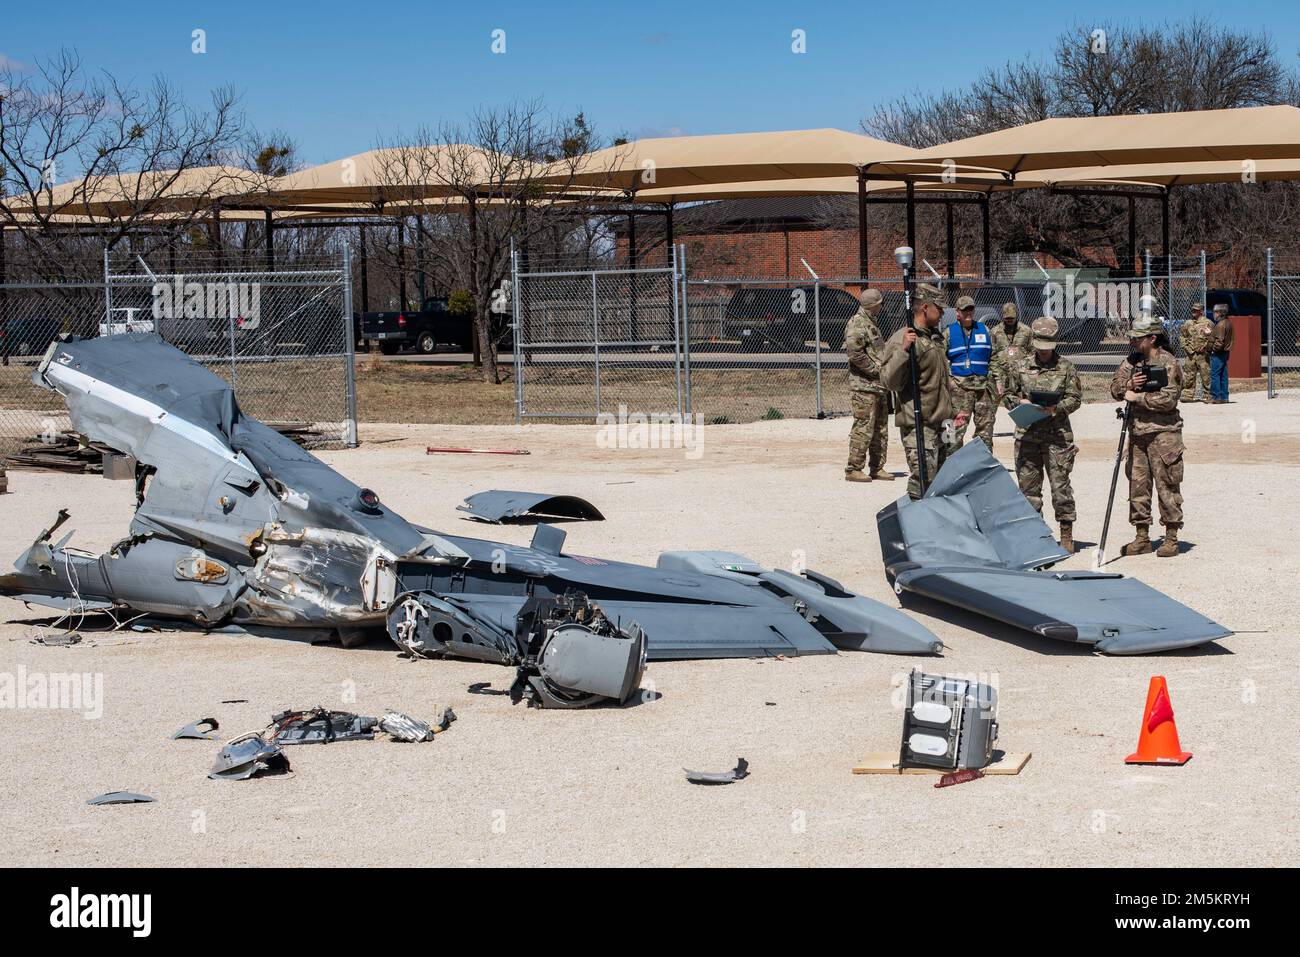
{"x": 886, "y": 762}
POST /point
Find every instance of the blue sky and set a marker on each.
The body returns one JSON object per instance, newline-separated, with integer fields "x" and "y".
{"x": 336, "y": 75}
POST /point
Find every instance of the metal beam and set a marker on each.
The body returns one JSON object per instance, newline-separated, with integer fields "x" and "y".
{"x": 984, "y": 229}
{"x": 863, "y": 249}
{"x": 270, "y": 242}
{"x": 365, "y": 282}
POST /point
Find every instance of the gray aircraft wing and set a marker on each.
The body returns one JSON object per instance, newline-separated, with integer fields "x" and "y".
{"x": 974, "y": 541}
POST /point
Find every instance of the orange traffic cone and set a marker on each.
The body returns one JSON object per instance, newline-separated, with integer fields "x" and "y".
{"x": 1158, "y": 741}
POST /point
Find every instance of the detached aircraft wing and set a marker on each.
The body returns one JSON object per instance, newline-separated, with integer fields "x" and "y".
{"x": 973, "y": 541}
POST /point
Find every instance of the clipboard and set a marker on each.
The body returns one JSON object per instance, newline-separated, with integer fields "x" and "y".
{"x": 1026, "y": 415}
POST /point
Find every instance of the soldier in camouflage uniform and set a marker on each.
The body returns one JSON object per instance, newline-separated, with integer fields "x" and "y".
{"x": 1010, "y": 344}
{"x": 1155, "y": 437}
{"x": 869, "y": 437}
{"x": 932, "y": 362}
{"x": 1195, "y": 339}
{"x": 1048, "y": 444}
{"x": 969, "y": 345}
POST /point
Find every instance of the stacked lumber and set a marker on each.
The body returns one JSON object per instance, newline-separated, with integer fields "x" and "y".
{"x": 64, "y": 452}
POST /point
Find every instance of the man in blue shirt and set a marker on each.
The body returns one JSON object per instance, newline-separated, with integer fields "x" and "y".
{"x": 970, "y": 350}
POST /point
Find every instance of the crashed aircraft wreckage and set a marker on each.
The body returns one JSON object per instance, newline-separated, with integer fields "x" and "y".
{"x": 974, "y": 541}
{"x": 236, "y": 524}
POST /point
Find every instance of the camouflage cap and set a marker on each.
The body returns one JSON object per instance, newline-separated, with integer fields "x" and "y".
{"x": 1198, "y": 307}
{"x": 926, "y": 293}
{"x": 1044, "y": 329}
{"x": 1145, "y": 326}
{"x": 965, "y": 302}
{"x": 871, "y": 297}
{"x": 1009, "y": 310}
{"x": 1221, "y": 309}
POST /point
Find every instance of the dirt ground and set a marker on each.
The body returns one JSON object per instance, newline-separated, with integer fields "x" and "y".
{"x": 510, "y": 786}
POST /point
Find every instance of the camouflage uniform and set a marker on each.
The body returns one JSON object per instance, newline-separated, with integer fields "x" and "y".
{"x": 1155, "y": 444}
{"x": 1195, "y": 339}
{"x": 1010, "y": 345}
{"x": 1048, "y": 444}
{"x": 869, "y": 399}
{"x": 936, "y": 406}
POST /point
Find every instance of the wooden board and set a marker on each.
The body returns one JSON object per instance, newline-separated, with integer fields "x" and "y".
{"x": 886, "y": 762}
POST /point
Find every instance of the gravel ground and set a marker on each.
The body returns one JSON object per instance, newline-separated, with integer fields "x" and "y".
{"x": 511, "y": 786}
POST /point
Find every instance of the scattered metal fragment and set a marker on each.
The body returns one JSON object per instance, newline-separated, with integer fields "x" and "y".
{"x": 497, "y": 507}
{"x": 235, "y": 701}
{"x": 320, "y": 726}
{"x": 246, "y": 756}
{"x": 738, "y": 773}
{"x": 64, "y": 639}
{"x": 402, "y": 727}
{"x": 121, "y": 797}
{"x": 200, "y": 730}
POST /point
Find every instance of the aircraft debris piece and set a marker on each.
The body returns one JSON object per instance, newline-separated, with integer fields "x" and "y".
{"x": 738, "y": 773}
{"x": 319, "y": 726}
{"x": 402, "y": 727}
{"x": 247, "y": 755}
{"x": 121, "y": 797}
{"x": 498, "y": 507}
{"x": 236, "y": 526}
{"x": 974, "y": 541}
{"x": 200, "y": 730}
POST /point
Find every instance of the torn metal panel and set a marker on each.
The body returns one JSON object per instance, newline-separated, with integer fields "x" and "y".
{"x": 498, "y": 506}
{"x": 201, "y": 730}
{"x": 121, "y": 797}
{"x": 975, "y": 542}
{"x": 246, "y": 756}
{"x": 738, "y": 773}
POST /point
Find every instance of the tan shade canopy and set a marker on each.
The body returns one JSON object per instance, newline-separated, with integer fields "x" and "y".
{"x": 677, "y": 161}
{"x": 158, "y": 191}
{"x": 1259, "y": 133}
{"x": 1179, "y": 174}
{"x": 395, "y": 175}
{"x": 823, "y": 186}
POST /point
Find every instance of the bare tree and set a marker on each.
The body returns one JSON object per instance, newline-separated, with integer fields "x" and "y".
{"x": 478, "y": 185}
{"x": 72, "y": 144}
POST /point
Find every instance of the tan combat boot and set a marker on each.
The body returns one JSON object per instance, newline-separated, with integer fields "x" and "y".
{"x": 857, "y": 475}
{"x": 1067, "y": 536}
{"x": 880, "y": 475}
{"x": 1140, "y": 545}
{"x": 1169, "y": 547}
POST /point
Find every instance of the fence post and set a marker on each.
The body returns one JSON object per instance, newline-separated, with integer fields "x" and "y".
{"x": 349, "y": 350}
{"x": 515, "y": 295}
{"x": 686, "y": 326}
{"x": 677, "y": 329}
{"x": 817, "y": 343}
{"x": 1272, "y": 317}
{"x": 108, "y": 295}
{"x": 595, "y": 338}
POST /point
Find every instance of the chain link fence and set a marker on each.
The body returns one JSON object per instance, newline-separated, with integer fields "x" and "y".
{"x": 593, "y": 341}
{"x": 284, "y": 339}
{"x": 1281, "y": 329}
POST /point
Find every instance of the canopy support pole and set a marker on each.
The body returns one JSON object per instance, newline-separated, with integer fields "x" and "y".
{"x": 270, "y": 242}
{"x": 1164, "y": 223}
{"x": 401, "y": 264}
{"x": 984, "y": 228}
{"x": 365, "y": 279}
{"x": 216, "y": 237}
{"x": 863, "y": 265}
{"x": 911, "y": 216}
{"x": 1132, "y": 235}
{"x": 952, "y": 262}
{"x": 419, "y": 258}
{"x": 632, "y": 264}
